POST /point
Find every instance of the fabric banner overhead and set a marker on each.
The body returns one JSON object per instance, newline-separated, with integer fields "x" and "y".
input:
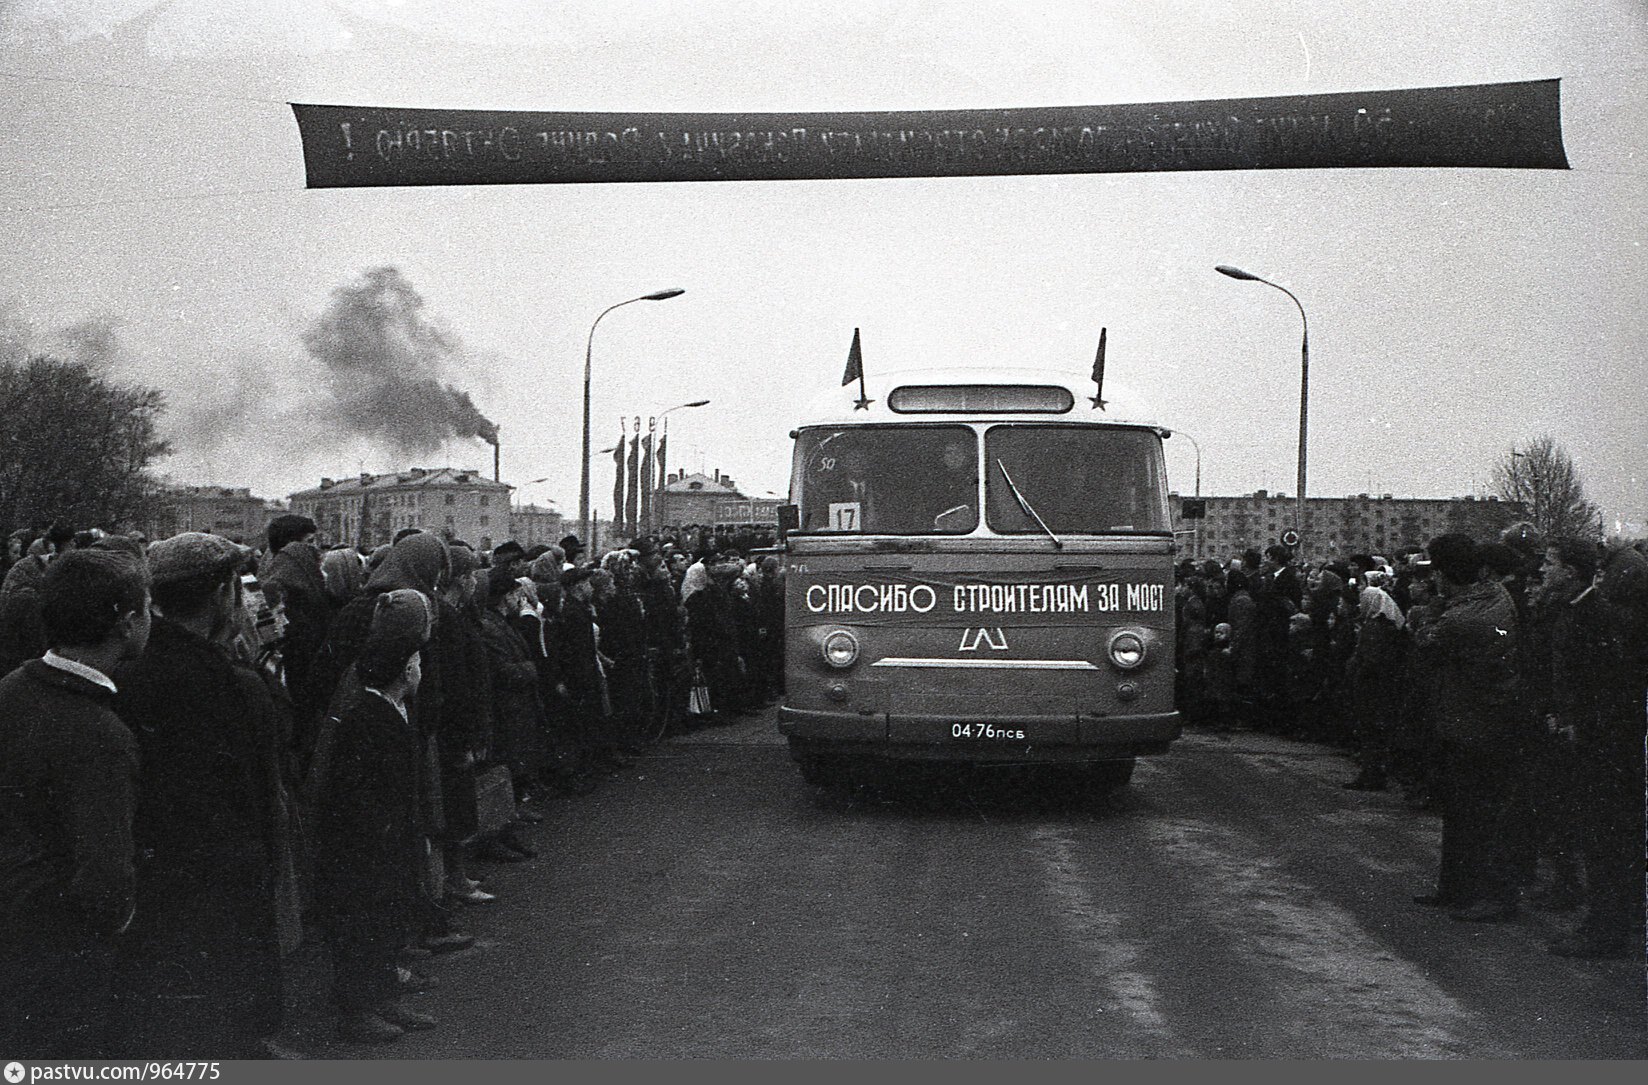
{"x": 1490, "y": 125}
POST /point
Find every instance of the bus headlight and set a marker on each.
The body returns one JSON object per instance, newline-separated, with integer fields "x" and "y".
{"x": 1127, "y": 650}
{"x": 840, "y": 649}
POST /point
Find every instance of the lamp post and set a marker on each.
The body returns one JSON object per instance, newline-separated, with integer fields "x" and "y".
{"x": 589, "y": 348}
{"x": 1197, "y": 445}
{"x": 1304, "y": 386}
{"x": 524, "y": 485}
{"x": 661, "y": 452}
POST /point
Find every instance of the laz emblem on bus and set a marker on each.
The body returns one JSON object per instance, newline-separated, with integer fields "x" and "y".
{"x": 994, "y": 638}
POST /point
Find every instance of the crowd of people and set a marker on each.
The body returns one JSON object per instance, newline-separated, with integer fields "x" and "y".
{"x": 210, "y": 754}
{"x": 1503, "y": 682}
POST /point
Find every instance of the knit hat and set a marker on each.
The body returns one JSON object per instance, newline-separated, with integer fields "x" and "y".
{"x": 401, "y": 625}
{"x": 193, "y": 554}
{"x": 463, "y": 560}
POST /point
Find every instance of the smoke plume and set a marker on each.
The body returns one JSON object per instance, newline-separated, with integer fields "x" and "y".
{"x": 384, "y": 364}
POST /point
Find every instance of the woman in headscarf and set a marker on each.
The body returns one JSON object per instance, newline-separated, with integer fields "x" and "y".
{"x": 344, "y": 575}
{"x": 619, "y": 610}
{"x": 518, "y": 708}
{"x": 1375, "y": 676}
{"x": 417, "y": 562}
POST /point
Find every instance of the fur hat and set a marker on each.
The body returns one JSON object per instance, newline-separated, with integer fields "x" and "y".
{"x": 288, "y": 527}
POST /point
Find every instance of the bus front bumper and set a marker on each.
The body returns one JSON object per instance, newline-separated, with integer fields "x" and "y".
{"x": 1001, "y": 738}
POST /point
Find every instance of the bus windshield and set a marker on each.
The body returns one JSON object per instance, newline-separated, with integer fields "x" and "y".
{"x": 1080, "y": 480}
{"x": 888, "y": 480}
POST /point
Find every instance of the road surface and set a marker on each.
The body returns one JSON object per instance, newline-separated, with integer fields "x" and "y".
{"x": 1233, "y": 902}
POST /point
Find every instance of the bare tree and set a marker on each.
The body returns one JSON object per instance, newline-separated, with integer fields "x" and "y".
{"x": 75, "y": 447}
{"x": 1542, "y": 476}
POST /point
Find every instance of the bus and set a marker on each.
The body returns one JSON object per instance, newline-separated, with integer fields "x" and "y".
{"x": 979, "y": 569}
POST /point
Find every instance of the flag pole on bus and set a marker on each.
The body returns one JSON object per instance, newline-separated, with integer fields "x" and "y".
{"x": 1098, "y": 373}
{"x": 855, "y": 368}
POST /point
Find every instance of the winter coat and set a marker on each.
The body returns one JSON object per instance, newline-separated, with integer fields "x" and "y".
{"x": 209, "y": 829}
{"x": 1471, "y": 650}
{"x": 517, "y": 705}
{"x": 68, "y": 794}
{"x": 364, "y": 825}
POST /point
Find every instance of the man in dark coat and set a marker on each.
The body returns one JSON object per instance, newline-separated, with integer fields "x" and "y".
{"x": 292, "y": 577}
{"x": 1272, "y": 609}
{"x": 665, "y": 634}
{"x": 712, "y": 628}
{"x": 68, "y": 792}
{"x": 1472, "y": 648}
{"x": 465, "y": 729}
{"x": 583, "y": 681}
{"x": 200, "y": 967}
{"x": 1600, "y": 671}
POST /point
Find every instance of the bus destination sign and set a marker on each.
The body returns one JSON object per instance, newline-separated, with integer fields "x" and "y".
{"x": 882, "y": 598}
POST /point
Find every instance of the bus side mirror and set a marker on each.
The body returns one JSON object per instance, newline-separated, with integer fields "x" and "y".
{"x": 789, "y": 519}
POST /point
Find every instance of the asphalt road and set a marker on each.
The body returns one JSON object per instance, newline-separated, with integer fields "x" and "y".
{"x": 1233, "y": 902}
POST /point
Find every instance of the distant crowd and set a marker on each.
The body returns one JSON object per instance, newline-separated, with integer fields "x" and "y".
{"x": 210, "y": 753}
{"x": 1502, "y": 682}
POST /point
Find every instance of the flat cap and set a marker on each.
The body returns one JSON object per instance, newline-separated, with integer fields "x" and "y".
{"x": 193, "y": 554}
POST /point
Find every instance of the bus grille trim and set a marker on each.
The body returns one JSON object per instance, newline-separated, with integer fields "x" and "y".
{"x": 989, "y": 664}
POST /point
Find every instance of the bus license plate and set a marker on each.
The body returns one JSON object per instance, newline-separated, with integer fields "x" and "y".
{"x": 985, "y": 732}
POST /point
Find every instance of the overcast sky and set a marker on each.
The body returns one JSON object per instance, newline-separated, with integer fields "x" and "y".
{"x": 153, "y": 181}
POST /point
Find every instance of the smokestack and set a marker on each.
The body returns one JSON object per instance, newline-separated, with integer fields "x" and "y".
{"x": 497, "y": 475}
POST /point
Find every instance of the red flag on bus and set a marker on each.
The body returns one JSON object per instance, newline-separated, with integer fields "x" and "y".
{"x": 1098, "y": 373}
{"x": 855, "y": 363}
{"x": 855, "y": 369}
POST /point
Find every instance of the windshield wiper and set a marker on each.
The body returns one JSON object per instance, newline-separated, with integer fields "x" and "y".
{"x": 1025, "y": 505}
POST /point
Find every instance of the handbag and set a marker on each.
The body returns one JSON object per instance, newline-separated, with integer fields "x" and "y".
{"x": 490, "y": 793}
{"x": 698, "y": 701}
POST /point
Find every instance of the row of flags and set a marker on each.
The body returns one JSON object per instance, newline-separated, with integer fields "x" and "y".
{"x": 638, "y": 470}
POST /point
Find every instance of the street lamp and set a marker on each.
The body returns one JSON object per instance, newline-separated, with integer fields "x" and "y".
{"x": 1197, "y": 445}
{"x": 653, "y": 511}
{"x": 529, "y": 482}
{"x": 589, "y": 347}
{"x": 1197, "y": 545}
{"x": 1304, "y": 386}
